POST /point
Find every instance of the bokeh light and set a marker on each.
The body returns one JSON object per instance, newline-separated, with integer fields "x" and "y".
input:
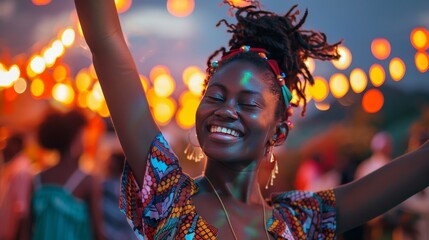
{"x": 397, "y": 69}
{"x": 103, "y": 110}
{"x": 57, "y": 48}
{"x": 40, "y": 2}
{"x": 163, "y": 110}
{"x": 20, "y": 86}
{"x": 95, "y": 97}
{"x": 180, "y": 8}
{"x": 240, "y": 3}
{"x": 83, "y": 80}
{"x": 63, "y": 93}
{"x": 158, "y": 70}
{"x": 322, "y": 106}
{"x": 144, "y": 81}
{"x": 37, "y": 64}
{"x": 380, "y": 48}
{"x": 372, "y": 101}
{"x": 319, "y": 91}
{"x": 420, "y": 38}
{"x": 196, "y": 83}
{"x": 311, "y": 65}
{"x": 60, "y": 73}
{"x": 164, "y": 85}
{"x": 358, "y": 80}
{"x": 37, "y": 87}
{"x": 345, "y": 59}
{"x": 185, "y": 116}
{"x": 188, "y": 72}
{"x": 49, "y": 57}
{"x": 377, "y": 75}
{"x": 123, "y": 5}
{"x": 82, "y": 99}
{"x": 67, "y": 37}
{"x": 8, "y": 77}
{"x": 339, "y": 85}
{"x": 422, "y": 61}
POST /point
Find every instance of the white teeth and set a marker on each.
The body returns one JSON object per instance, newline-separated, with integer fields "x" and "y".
{"x": 218, "y": 129}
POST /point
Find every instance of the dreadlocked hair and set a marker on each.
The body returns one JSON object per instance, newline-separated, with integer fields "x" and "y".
{"x": 283, "y": 38}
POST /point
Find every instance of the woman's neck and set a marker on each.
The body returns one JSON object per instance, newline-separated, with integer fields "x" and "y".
{"x": 228, "y": 181}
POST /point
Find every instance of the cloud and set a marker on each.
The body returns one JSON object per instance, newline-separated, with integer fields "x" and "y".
{"x": 156, "y": 22}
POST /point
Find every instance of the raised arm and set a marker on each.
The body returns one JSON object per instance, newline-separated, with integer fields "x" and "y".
{"x": 119, "y": 81}
{"x": 370, "y": 196}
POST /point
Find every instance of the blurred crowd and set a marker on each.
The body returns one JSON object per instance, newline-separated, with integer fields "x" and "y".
{"x": 52, "y": 188}
{"x": 62, "y": 180}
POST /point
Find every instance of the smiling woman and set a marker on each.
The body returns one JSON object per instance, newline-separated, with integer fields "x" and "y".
{"x": 243, "y": 115}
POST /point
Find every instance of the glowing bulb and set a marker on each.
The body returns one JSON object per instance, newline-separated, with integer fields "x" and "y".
{"x": 372, "y": 101}
{"x": 20, "y": 86}
{"x": 422, "y": 61}
{"x": 380, "y": 48}
{"x": 196, "y": 83}
{"x": 63, "y": 93}
{"x": 37, "y": 87}
{"x": 57, "y": 48}
{"x": 40, "y": 2}
{"x": 377, "y": 75}
{"x": 67, "y": 37}
{"x": 158, "y": 70}
{"x": 420, "y": 38}
{"x": 37, "y": 64}
{"x": 180, "y": 8}
{"x": 188, "y": 72}
{"x": 339, "y": 85}
{"x": 319, "y": 90}
{"x": 345, "y": 59}
{"x": 163, "y": 110}
{"x": 397, "y": 69}
{"x": 358, "y": 80}
{"x": 164, "y": 85}
{"x": 123, "y": 5}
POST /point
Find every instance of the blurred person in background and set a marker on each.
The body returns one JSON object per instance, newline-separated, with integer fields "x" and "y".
{"x": 65, "y": 200}
{"x": 115, "y": 224}
{"x": 381, "y": 148}
{"x": 388, "y": 225}
{"x": 417, "y": 205}
{"x": 15, "y": 188}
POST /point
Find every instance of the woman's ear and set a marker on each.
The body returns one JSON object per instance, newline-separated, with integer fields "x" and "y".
{"x": 282, "y": 131}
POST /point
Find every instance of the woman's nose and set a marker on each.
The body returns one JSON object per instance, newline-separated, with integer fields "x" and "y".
{"x": 227, "y": 111}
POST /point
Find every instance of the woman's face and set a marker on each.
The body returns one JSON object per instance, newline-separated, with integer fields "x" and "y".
{"x": 236, "y": 117}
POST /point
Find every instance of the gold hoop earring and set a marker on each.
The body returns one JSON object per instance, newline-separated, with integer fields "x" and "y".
{"x": 275, "y": 169}
{"x": 193, "y": 150}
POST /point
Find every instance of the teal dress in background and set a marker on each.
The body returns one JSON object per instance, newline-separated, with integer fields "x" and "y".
{"x": 57, "y": 214}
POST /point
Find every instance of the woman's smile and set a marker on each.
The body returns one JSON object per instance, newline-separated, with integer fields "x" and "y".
{"x": 224, "y": 134}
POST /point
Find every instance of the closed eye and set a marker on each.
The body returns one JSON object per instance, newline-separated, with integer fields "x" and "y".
{"x": 215, "y": 98}
{"x": 250, "y": 105}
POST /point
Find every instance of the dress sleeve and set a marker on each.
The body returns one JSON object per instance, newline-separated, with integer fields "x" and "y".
{"x": 304, "y": 215}
{"x": 147, "y": 206}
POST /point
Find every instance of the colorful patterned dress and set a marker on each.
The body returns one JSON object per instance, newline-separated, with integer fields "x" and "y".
{"x": 163, "y": 208}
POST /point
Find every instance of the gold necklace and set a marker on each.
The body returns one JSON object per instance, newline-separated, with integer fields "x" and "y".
{"x": 227, "y": 215}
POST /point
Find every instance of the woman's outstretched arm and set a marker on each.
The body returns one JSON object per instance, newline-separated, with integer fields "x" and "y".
{"x": 370, "y": 196}
{"x": 119, "y": 81}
